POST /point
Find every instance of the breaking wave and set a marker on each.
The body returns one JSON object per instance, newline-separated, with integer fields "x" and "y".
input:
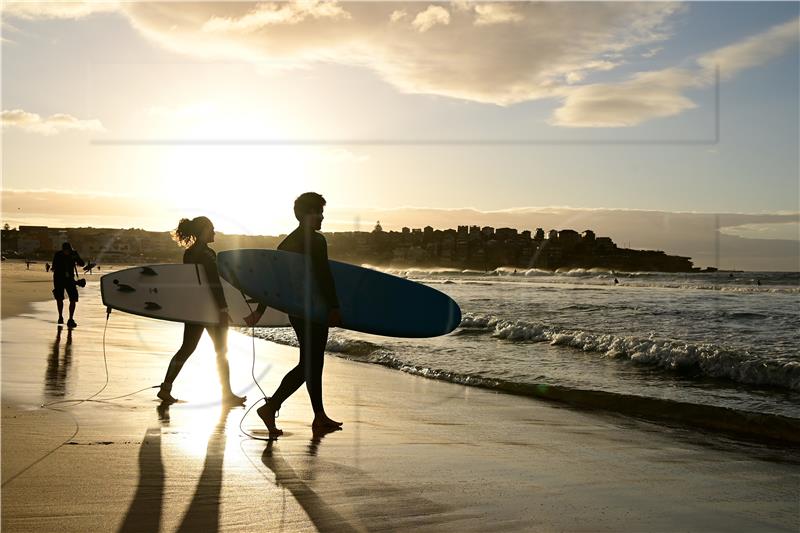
{"x": 706, "y": 359}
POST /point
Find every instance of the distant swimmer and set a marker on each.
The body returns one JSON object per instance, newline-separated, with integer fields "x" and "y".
{"x": 758, "y": 282}
{"x": 195, "y": 234}
{"x": 47, "y": 267}
{"x": 616, "y": 281}
{"x": 311, "y": 337}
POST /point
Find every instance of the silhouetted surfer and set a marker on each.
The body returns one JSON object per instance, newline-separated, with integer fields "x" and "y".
{"x": 196, "y": 234}
{"x": 64, "y": 280}
{"x": 312, "y": 337}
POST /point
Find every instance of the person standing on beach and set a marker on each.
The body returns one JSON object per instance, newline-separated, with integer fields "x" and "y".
{"x": 195, "y": 234}
{"x": 312, "y": 337}
{"x": 64, "y": 280}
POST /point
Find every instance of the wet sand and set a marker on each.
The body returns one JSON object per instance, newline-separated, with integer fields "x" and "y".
{"x": 413, "y": 454}
{"x": 20, "y": 287}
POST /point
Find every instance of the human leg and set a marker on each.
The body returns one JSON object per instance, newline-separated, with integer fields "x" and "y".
{"x": 219, "y": 335}
{"x": 58, "y": 294}
{"x": 191, "y": 337}
{"x": 316, "y": 340}
{"x": 72, "y": 294}
{"x": 289, "y": 384}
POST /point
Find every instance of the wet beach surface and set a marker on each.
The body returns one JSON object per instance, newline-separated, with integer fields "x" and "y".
{"x": 414, "y": 453}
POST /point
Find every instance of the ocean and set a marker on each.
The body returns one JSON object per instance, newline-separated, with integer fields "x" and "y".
{"x": 708, "y": 346}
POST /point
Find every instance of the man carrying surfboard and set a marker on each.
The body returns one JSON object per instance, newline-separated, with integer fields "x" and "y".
{"x": 312, "y": 337}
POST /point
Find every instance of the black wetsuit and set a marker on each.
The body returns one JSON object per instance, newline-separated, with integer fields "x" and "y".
{"x": 201, "y": 254}
{"x": 311, "y": 336}
{"x": 64, "y": 275}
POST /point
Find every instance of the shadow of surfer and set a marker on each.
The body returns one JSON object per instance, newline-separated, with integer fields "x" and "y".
{"x": 55, "y": 377}
{"x": 203, "y": 511}
{"x": 312, "y": 337}
{"x": 144, "y": 513}
{"x": 322, "y": 515}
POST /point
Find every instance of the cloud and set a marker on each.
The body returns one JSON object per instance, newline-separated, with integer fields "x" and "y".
{"x": 398, "y": 15}
{"x": 31, "y": 9}
{"x": 51, "y": 125}
{"x": 644, "y": 97}
{"x": 498, "y": 13}
{"x": 652, "y": 52}
{"x": 656, "y": 94}
{"x": 433, "y": 16}
{"x": 497, "y": 53}
{"x": 268, "y": 14}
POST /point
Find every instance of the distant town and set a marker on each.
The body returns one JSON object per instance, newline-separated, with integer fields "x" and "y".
{"x": 466, "y": 247}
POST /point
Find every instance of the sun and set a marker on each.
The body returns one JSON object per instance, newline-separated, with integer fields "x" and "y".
{"x": 245, "y": 188}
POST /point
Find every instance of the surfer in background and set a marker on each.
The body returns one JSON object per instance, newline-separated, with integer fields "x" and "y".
{"x": 64, "y": 280}
{"x": 195, "y": 234}
{"x": 312, "y": 337}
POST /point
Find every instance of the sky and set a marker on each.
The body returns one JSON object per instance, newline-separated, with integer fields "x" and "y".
{"x": 136, "y": 114}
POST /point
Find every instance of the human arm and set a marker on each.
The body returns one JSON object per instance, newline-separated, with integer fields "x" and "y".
{"x": 324, "y": 277}
{"x": 209, "y": 261}
{"x": 77, "y": 259}
{"x": 253, "y": 318}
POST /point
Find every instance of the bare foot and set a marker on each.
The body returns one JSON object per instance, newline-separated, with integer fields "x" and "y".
{"x": 267, "y": 414}
{"x": 165, "y": 396}
{"x": 322, "y": 421}
{"x": 232, "y": 399}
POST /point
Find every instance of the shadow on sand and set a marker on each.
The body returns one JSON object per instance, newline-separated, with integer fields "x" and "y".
{"x": 337, "y": 497}
{"x": 144, "y": 513}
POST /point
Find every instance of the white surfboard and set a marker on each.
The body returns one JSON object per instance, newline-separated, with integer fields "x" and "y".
{"x": 178, "y": 293}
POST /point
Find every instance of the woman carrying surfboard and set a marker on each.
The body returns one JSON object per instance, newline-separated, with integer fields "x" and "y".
{"x": 195, "y": 234}
{"x": 311, "y": 337}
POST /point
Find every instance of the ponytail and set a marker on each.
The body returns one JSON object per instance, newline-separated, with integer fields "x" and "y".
{"x": 188, "y": 230}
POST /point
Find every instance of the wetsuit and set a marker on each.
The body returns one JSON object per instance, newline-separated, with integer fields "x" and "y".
{"x": 201, "y": 254}
{"x": 311, "y": 336}
{"x": 64, "y": 275}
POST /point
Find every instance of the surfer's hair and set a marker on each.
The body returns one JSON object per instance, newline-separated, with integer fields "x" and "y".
{"x": 188, "y": 230}
{"x": 308, "y": 202}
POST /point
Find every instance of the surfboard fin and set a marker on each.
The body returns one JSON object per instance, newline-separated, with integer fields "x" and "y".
{"x": 147, "y": 271}
{"x": 122, "y": 287}
{"x": 152, "y": 306}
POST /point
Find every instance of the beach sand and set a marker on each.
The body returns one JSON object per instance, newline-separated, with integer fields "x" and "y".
{"x": 414, "y": 453}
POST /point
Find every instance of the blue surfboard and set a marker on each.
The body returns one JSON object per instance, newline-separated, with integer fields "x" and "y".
{"x": 370, "y": 301}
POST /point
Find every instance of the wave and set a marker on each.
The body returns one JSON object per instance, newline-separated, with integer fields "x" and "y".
{"x": 705, "y": 359}
{"x": 287, "y": 337}
{"x": 740, "y": 422}
{"x": 416, "y": 272}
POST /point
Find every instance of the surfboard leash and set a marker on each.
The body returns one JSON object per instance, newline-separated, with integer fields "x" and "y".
{"x": 264, "y": 397}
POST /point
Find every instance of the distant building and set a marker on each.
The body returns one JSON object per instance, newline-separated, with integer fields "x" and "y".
{"x": 488, "y": 232}
{"x": 505, "y": 234}
{"x": 569, "y": 237}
